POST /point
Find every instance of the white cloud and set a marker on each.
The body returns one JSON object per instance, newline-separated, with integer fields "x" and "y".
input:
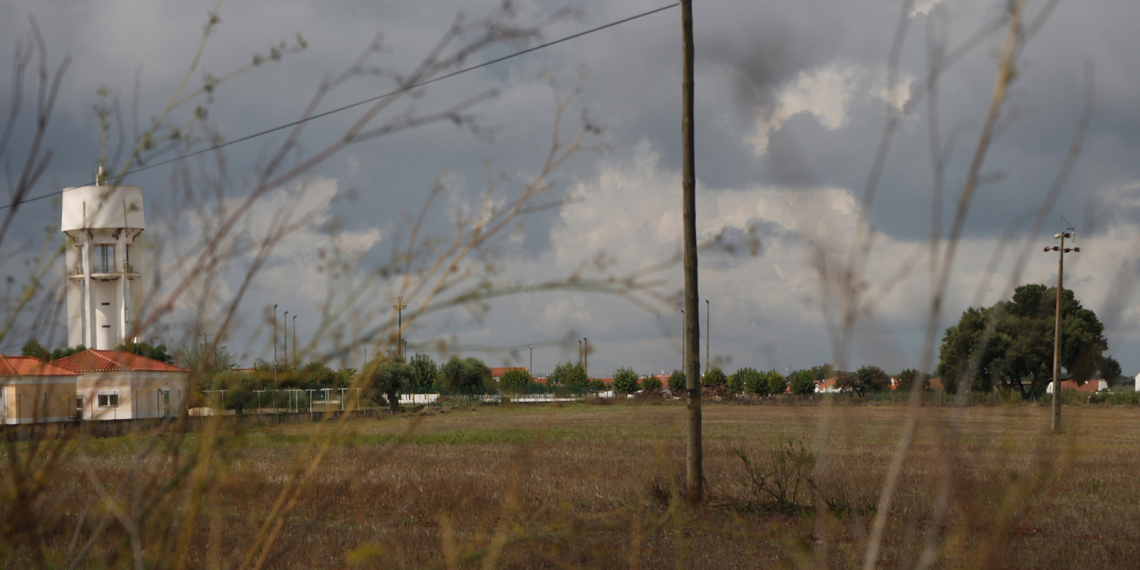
{"x": 291, "y": 269}
{"x": 770, "y": 308}
{"x": 827, "y": 92}
{"x": 923, "y": 7}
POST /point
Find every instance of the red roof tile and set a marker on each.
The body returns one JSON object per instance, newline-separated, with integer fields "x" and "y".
{"x": 28, "y": 366}
{"x": 107, "y": 360}
{"x": 499, "y": 371}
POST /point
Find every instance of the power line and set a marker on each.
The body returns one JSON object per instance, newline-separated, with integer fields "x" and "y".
{"x": 369, "y": 100}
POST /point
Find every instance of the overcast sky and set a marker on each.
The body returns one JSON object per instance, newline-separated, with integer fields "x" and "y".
{"x": 792, "y": 101}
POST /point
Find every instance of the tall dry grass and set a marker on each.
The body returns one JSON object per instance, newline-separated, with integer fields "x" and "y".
{"x": 573, "y": 486}
{"x": 600, "y": 486}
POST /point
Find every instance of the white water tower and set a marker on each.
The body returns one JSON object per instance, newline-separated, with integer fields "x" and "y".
{"x": 102, "y": 224}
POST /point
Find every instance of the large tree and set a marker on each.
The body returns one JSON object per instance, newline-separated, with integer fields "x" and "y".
{"x": 1010, "y": 345}
{"x": 427, "y": 371}
{"x": 568, "y": 374}
{"x": 390, "y": 378}
{"x": 1110, "y": 371}
{"x": 803, "y": 383}
{"x": 34, "y": 349}
{"x": 866, "y": 379}
{"x": 625, "y": 381}
{"x": 467, "y": 376}
{"x": 143, "y": 349}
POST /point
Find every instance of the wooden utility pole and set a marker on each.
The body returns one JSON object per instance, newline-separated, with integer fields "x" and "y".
{"x": 1061, "y": 251}
{"x": 695, "y": 457}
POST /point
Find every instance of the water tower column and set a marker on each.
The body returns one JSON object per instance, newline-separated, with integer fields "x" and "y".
{"x": 88, "y": 306}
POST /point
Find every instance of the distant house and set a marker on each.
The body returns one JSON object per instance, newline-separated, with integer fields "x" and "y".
{"x": 932, "y": 384}
{"x": 827, "y": 386}
{"x": 33, "y": 392}
{"x": 1090, "y": 386}
{"x": 498, "y": 372}
{"x": 115, "y": 384}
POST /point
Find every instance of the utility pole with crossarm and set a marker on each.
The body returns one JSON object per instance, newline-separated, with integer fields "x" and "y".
{"x": 1061, "y": 251}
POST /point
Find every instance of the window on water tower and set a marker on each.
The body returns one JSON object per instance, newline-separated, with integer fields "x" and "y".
{"x": 104, "y": 259}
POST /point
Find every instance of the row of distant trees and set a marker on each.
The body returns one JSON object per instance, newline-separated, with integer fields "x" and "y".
{"x": 749, "y": 381}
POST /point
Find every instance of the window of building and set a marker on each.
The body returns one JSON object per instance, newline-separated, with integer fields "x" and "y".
{"x": 108, "y": 400}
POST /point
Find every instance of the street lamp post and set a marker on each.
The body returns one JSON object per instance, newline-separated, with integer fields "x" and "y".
{"x": 1061, "y": 251}
{"x": 586, "y": 355}
{"x": 285, "y": 323}
{"x": 530, "y": 370}
{"x": 579, "y": 353}
{"x": 399, "y": 306}
{"x": 274, "y": 345}
{"x": 294, "y": 341}
{"x": 708, "y": 335}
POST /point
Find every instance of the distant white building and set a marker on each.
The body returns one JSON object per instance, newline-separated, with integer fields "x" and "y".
{"x": 1088, "y": 386}
{"x": 102, "y": 224}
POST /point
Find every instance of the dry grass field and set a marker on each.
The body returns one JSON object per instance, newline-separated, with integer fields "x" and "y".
{"x": 595, "y": 486}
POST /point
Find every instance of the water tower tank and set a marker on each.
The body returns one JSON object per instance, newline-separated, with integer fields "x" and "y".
{"x": 102, "y": 224}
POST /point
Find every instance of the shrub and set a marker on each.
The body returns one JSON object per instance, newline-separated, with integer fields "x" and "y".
{"x": 714, "y": 377}
{"x": 781, "y": 474}
{"x": 677, "y": 382}
{"x": 597, "y": 385}
{"x": 625, "y": 381}
{"x": 650, "y": 383}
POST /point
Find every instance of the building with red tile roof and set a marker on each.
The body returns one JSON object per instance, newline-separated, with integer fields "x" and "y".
{"x": 497, "y": 372}
{"x": 32, "y": 391}
{"x": 116, "y": 384}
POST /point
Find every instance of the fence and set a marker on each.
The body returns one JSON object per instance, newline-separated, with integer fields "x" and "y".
{"x": 118, "y": 428}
